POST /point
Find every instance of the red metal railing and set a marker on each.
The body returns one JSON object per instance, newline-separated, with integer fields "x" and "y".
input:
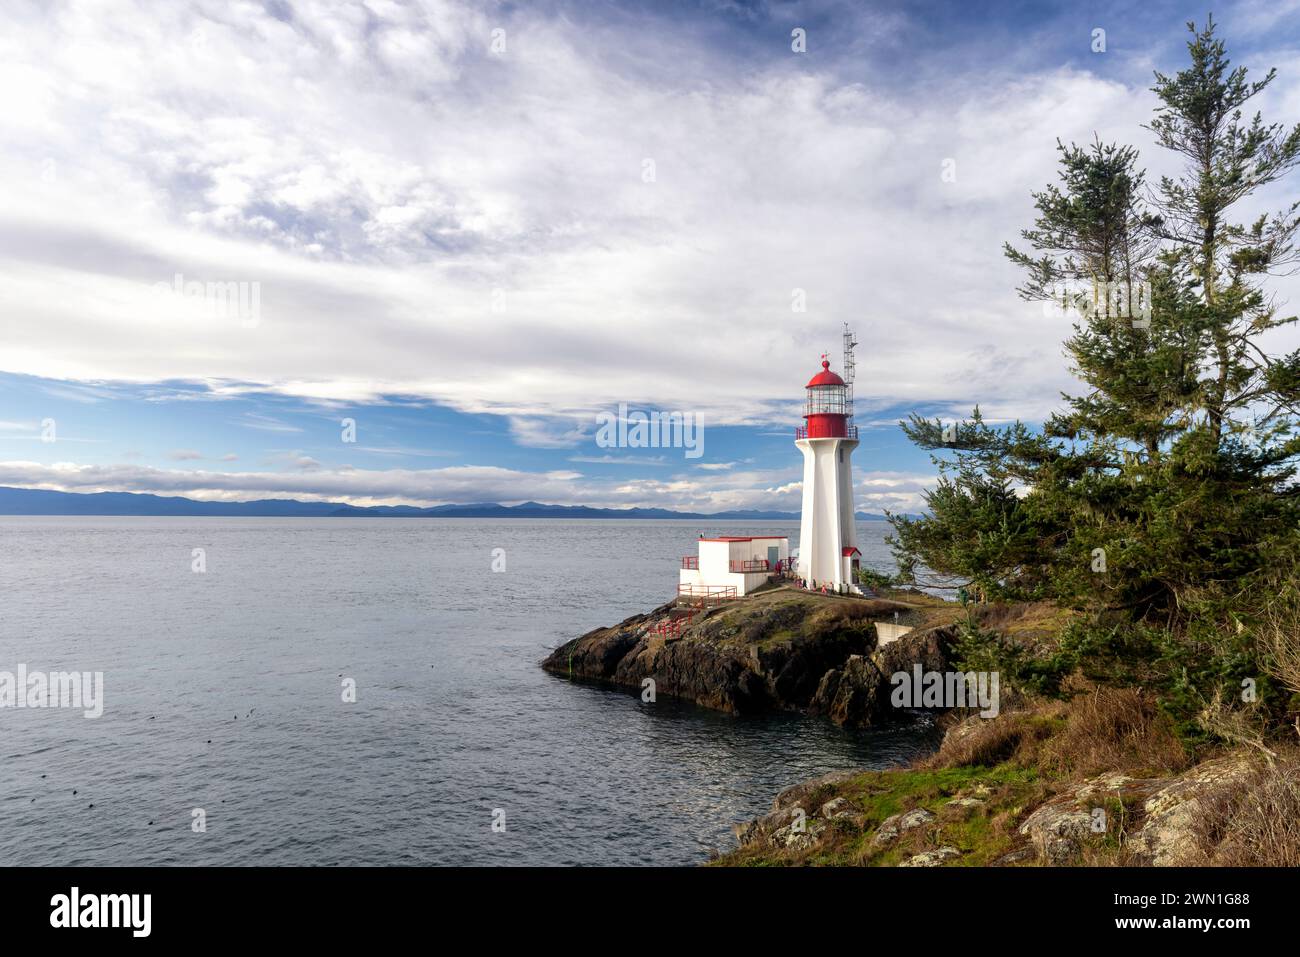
{"x": 707, "y": 593}
{"x": 672, "y": 627}
{"x": 751, "y": 565}
{"x": 691, "y": 561}
{"x": 851, "y": 432}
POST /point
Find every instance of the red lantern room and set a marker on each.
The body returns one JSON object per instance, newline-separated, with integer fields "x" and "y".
{"x": 826, "y": 411}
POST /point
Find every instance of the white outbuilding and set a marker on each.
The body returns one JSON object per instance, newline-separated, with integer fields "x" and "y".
{"x": 732, "y": 566}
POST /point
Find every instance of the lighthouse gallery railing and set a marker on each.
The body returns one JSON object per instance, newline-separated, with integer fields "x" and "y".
{"x": 851, "y": 432}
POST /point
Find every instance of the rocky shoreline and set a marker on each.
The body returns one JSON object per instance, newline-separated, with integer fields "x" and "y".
{"x": 781, "y": 650}
{"x": 947, "y": 814}
{"x": 1098, "y": 778}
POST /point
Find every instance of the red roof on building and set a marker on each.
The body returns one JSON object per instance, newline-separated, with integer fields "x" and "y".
{"x": 825, "y": 377}
{"x": 747, "y": 538}
{"x": 850, "y": 550}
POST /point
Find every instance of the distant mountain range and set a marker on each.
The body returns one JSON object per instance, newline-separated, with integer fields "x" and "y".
{"x": 30, "y": 501}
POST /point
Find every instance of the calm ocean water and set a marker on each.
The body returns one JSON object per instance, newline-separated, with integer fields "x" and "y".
{"x": 223, "y": 692}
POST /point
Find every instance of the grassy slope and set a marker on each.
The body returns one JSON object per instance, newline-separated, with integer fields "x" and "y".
{"x": 1104, "y": 747}
{"x": 1010, "y": 766}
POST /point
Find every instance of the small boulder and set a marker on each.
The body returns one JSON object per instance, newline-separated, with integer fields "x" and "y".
{"x": 794, "y": 837}
{"x": 892, "y": 827}
{"x": 962, "y": 807}
{"x": 839, "y": 809}
{"x": 936, "y": 858}
{"x": 799, "y": 793}
{"x": 835, "y": 807}
{"x": 1057, "y": 829}
{"x": 1021, "y": 855}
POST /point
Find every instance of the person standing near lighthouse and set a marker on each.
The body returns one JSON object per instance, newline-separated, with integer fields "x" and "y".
{"x": 828, "y": 541}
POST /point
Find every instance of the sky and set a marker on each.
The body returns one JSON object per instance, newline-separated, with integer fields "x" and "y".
{"x": 391, "y": 252}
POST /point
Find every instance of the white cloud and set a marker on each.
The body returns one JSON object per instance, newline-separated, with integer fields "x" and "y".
{"x": 265, "y": 423}
{"x": 894, "y": 491}
{"x": 546, "y": 433}
{"x": 311, "y": 482}
{"x": 653, "y": 460}
{"x": 425, "y": 218}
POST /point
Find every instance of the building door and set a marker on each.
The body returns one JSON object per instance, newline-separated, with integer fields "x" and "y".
{"x": 773, "y": 556}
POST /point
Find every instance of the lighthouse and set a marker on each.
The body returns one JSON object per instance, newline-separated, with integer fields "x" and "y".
{"x": 828, "y": 541}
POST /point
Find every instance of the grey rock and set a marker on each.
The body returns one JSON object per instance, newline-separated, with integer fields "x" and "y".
{"x": 798, "y": 793}
{"x": 936, "y": 858}
{"x": 891, "y": 828}
{"x": 839, "y": 809}
{"x": 1167, "y": 833}
{"x": 1057, "y": 829}
{"x": 1021, "y": 855}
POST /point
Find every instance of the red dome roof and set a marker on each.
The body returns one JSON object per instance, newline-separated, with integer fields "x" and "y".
{"x": 825, "y": 377}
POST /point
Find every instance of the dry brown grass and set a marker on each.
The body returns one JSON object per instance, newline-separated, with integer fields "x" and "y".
{"x": 1099, "y": 730}
{"x": 1255, "y": 822}
{"x": 1114, "y": 730}
{"x": 1026, "y": 623}
{"x": 1010, "y": 736}
{"x": 1243, "y": 726}
{"x": 1279, "y": 638}
{"x": 847, "y": 611}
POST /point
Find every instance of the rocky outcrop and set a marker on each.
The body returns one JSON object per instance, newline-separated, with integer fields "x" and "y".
{"x": 781, "y": 650}
{"x": 797, "y": 821}
{"x": 1160, "y": 813}
{"x": 859, "y": 693}
{"x": 805, "y": 793}
{"x": 714, "y": 676}
{"x": 1109, "y": 817}
{"x": 1167, "y": 834}
{"x": 851, "y": 695}
{"x": 779, "y": 820}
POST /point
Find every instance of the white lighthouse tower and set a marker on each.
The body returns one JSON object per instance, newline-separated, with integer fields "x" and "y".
{"x": 828, "y": 541}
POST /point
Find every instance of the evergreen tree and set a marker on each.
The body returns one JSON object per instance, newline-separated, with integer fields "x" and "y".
{"x": 1166, "y": 490}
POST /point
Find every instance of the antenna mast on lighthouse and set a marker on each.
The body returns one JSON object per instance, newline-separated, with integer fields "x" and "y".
{"x": 850, "y": 341}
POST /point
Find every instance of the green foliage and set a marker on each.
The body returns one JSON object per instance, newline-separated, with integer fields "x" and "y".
{"x": 979, "y": 649}
{"x": 977, "y": 533}
{"x": 1164, "y": 494}
{"x": 1185, "y": 668}
{"x": 876, "y": 580}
